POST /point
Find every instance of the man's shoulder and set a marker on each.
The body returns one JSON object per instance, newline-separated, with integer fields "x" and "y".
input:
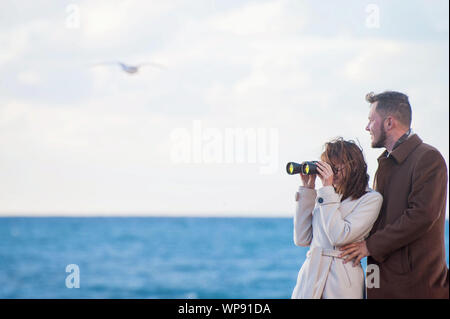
{"x": 427, "y": 152}
{"x": 427, "y": 148}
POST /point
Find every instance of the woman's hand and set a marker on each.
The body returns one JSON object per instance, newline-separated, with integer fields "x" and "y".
{"x": 325, "y": 173}
{"x": 309, "y": 181}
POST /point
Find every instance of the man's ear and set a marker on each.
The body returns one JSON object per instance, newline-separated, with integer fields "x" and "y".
{"x": 389, "y": 123}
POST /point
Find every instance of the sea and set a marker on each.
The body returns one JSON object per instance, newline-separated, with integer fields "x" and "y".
{"x": 150, "y": 257}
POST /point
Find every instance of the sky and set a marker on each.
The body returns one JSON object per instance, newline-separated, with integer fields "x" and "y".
{"x": 244, "y": 87}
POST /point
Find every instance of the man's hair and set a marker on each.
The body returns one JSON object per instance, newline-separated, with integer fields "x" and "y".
{"x": 350, "y": 156}
{"x": 392, "y": 103}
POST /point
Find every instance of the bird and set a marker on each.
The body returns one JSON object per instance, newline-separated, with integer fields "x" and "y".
{"x": 131, "y": 69}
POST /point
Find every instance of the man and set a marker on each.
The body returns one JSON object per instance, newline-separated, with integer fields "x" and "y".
{"x": 406, "y": 242}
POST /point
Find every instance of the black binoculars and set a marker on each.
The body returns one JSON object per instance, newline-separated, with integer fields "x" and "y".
{"x": 306, "y": 168}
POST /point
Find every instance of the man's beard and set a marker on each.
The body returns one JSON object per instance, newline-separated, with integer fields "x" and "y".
{"x": 381, "y": 139}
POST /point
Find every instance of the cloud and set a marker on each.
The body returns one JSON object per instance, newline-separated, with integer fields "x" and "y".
{"x": 14, "y": 43}
{"x": 100, "y": 138}
{"x": 29, "y": 78}
{"x": 256, "y": 18}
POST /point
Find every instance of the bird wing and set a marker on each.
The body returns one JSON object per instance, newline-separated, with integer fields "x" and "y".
{"x": 154, "y": 64}
{"x": 106, "y": 63}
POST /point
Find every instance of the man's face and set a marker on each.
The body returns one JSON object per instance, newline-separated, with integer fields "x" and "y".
{"x": 376, "y": 127}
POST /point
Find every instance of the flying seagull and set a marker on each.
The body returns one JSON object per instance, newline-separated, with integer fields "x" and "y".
{"x": 132, "y": 69}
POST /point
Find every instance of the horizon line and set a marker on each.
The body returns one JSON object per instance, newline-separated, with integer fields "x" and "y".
{"x": 143, "y": 216}
{"x": 174, "y": 214}
{"x": 148, "y": 214}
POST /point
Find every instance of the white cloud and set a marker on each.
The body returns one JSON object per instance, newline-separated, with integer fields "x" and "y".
{"x": 29, "y": 78}
{"x": 111, "y": 24}
{"x": 99, "y": 138}
{"x": 13, "y": 44}
{"x": 256, "y": 18}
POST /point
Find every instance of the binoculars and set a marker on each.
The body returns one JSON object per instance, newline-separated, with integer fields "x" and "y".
{"x": 306, "y": 168}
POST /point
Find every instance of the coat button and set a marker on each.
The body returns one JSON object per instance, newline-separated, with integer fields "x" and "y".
{"x": 320, "y": 200}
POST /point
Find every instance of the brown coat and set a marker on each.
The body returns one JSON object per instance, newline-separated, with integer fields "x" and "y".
{"x": 407, "y": 240}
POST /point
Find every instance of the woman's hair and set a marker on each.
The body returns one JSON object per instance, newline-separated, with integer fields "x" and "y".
{"x": 354, "y": 172}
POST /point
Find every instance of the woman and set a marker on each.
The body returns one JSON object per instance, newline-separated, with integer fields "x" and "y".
{"x": 341, "y": 212}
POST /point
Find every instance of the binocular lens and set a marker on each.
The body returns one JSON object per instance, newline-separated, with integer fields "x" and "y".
{"x": 291, "y": 168}
{"x": 306, "y": 168}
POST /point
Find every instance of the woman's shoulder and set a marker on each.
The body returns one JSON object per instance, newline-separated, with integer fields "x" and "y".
{"x": 372, "y": 194}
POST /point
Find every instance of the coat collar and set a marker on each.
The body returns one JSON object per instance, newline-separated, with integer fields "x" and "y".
{"x": 404, "y": 149}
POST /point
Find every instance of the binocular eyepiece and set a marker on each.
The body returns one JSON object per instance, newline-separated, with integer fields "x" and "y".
{"x": 306, "y": 168}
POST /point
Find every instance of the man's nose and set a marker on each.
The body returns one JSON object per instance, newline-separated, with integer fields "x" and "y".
{"x": 367, "y": 127}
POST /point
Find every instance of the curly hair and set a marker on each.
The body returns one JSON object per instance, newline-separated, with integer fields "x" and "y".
{"x": 354, "y": 172}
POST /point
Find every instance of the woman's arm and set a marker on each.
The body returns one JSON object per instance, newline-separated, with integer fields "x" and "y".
{"x": 305, "y": 198}
{"x": 356, "y": 224}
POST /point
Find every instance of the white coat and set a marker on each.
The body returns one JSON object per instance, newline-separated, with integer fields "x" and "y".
{"x": 324, "y": 223}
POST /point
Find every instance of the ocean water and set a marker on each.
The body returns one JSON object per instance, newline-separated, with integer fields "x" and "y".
{"x": 150, "y": 257}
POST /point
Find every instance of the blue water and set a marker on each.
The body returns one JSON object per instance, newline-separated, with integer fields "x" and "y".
{"x": 150, "y": 257}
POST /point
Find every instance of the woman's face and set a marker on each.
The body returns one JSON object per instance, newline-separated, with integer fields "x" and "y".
{"x": 338, "y": 170}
